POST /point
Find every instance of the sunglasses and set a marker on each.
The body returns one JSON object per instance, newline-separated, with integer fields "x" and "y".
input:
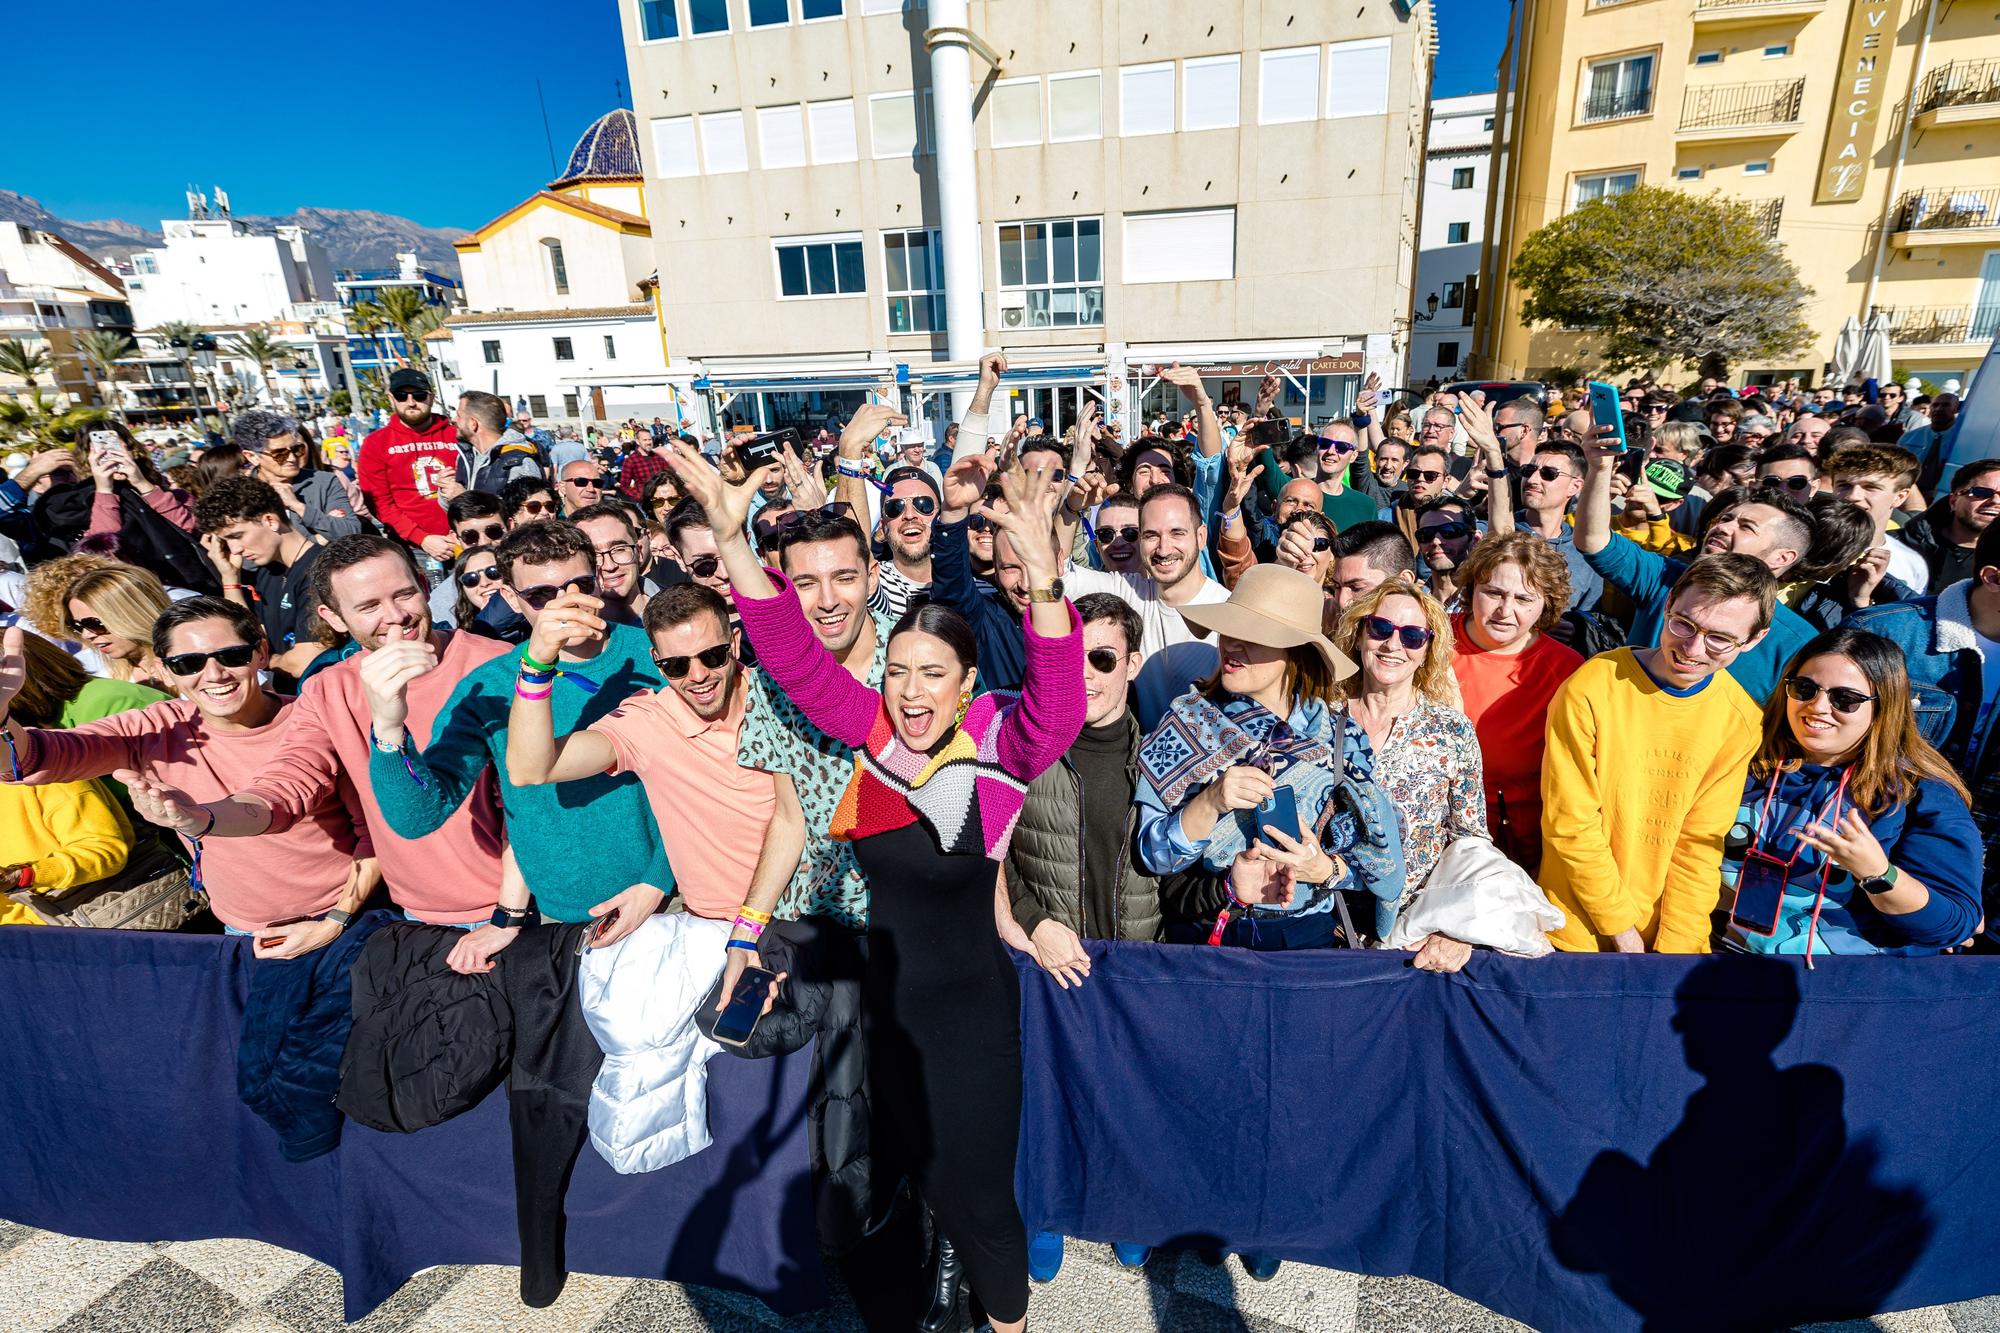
{"x": 1805, "y": 689}
{"x": 1545, "y": 472}
{"x": 980, "y": 523}
{"x": 536, "y": 508}
{"x": 190, "y": 664}
{"x": 586, "y": 483}
{"x": 1786, "y": 483}
{"x": 1972, "y": 492}
{"x": 87, "y": 625}
{"x": 704, "y": 566}
{"x": 673, "y": 668}
{"x": 1124, "y": 534}
{"x": 287, "y": 454}
{"x": 541, "y": 595}
{"x": 923, "y": 504}
{"x": 412, "y": 395}
{"x": 1444, "y": 532}
{"x": 1427, "y": 474}
{"x": 1380, "y": 629}
{"x": 1336, "y": 445}
{"x": 1656, "y": 409}
{"x": 473, "y": 536}
{"x": 1102, "y": 660}
{"x": 472, "y": 578}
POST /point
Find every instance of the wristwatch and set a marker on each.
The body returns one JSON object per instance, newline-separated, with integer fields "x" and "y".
{"x": 1881, "y": 883}
{"x": 1052, "y": 593}
{"x": 339, "y": 918}
{"x": 1495, "y": 473}
{"x": 512, "y": 918}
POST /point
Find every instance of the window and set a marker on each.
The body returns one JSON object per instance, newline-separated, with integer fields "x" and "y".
{"x": 673, "y": 146}
{"x": 913, "y": 276}
{"x": 1776, "y": 52}
{"x": 892, "y": 124}
{"x": 490, "y": 349}
{"x": 564, "y": 350}
{"x": 1756, "y": 168}
{"x": 819, "y": 266}
{"x": 538, "y": 405}
{"x": 1211, "y": 92}
{"x": 1146, "y": 99}
{"x": 1612, "y": 183}
{"x": 610, "y": 348}
{"x": 1453, "y": 296}
{"x": 832, "y": 131}
{"x": 1461, "y": 178}
{"x": 1015, "y": 112}
{"x": 769, "y": 13}
{"x": 722, "y": 142}
{"x": 1617, "y": 88}
{"x": 706, "y": 16}
{"x": 1180, "y": 247}
{"x": 1447, "y": 355}
{"x": 569, "y": 404}
{"x": 1076, "y": 107}
{"x": 1288, "y": 85}
{"x": 1058, "y": 266}
{"x": 558, "y": 271}
{"x": 781, "y": 136}
{"x": 657, "y": 20}
{"x": 1488, "y": 125}
{"x": 819, "y": 9}
{"x": 1708, "y": 57}
{"x": 1357, "y": 78}
{"x": 1457, "y": 233}
{"x": 1687, "y": 173}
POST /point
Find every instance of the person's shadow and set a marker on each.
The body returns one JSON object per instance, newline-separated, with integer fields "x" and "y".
{"x": 1755, "y": 1212}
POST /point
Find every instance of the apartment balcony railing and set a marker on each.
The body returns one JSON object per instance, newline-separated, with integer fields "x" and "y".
{"x": 1960, "y": 83}
{"x": 1948, "y": 208}
{"x": 1743, "y": 105}
{"x": 1769, "y": 214}
{"x": 1617, "y": 106}
{"x": 1938, "y": 324}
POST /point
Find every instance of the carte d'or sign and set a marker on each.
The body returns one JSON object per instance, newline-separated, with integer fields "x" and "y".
{"x": 1857, "y": 101}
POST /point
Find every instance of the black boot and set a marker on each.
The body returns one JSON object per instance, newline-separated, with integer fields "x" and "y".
{"x": 946, "y": 1283}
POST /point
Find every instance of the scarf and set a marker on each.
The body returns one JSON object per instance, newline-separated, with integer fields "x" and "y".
{"x": 893, "y": 786}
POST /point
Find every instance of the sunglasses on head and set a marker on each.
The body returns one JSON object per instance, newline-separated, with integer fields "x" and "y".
{"x": 1102, "y": 660}
{"x": 411, "y": 395}
{"x": 1786, "y": 483}
{"x": 542, "y": 594}
{"x": 190, "y": 664}
{"x": 1381, "y": 629}
{"x": 673, "y": 668}
{"x": 923, "y": 504}
{"x": 493, "y": 532}
{"x": 1445, "y": 532}
{"x": 1805, "y": 689}
{"x": 704, "y": 566}
{"x": 472, "y": 578}
{"x": 1426, "y": 474}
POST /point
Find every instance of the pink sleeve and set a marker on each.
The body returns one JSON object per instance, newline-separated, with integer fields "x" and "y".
{"x": 1045, "y": 721}
{"x": 173, "y": 506}
{"x": 106, "y": 518}
{"x": 94, "y": 749}
{"x": 825, "y": 691}
{"x": 295, "y": 783}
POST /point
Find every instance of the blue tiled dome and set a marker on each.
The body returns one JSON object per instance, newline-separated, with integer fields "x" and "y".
{"x": 608, "y": 150}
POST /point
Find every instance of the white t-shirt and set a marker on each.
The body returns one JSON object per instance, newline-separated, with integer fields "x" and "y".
{"x": 1160, "y": 624}
{"x": 1907, "y": 566}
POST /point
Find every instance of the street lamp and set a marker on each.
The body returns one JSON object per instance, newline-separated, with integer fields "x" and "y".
{"x": 1430, "y": 309}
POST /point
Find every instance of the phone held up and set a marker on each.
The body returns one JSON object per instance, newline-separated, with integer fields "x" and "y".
{"x": 738, "y": 1019}
{"x": 759, "y": 451}
{"x": 1606, "y": 409}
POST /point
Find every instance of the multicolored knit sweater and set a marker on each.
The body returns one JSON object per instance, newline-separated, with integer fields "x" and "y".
{"x": 969, "y": 789}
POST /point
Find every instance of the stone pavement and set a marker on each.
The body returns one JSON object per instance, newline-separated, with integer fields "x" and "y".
{"x": 52, "y": 1282}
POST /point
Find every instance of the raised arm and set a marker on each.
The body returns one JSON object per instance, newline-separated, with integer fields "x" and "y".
{"x": 1478, "y": 421}
{"x": 535, "y": 754}
{"x": 975, "y": 425}
{"x": 1044, "y": 722}
{"x": 857, "y": 455}
{"x": 1188, "y": 381}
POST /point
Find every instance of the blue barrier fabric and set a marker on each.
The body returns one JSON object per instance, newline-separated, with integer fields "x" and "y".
{"x": 1582, "y": 1142}
{"x": 117, "y": 1076}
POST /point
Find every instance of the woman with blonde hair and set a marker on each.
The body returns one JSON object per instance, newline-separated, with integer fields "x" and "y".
{"x": 113, "y": 611}
{"x": 1406, "y": 699}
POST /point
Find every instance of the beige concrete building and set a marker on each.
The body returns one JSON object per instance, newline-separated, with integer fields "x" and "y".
{"x": 1229, "y": 184}
{"x": 1867, "y": 132}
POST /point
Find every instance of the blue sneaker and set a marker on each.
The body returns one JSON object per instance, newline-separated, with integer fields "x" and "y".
{"x": 1045, "y": 1255}
{"x": 1259, "y": 1267}
{"x": 1130, "y": 1255}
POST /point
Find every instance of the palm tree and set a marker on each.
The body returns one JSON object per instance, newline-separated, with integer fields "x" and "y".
{"x": 369, "y": 319}
{"x": 261, "y": 350}
{"x": 403, "y": 307}
{"x": 180, "y": 334}
{"x": 428, "y": 321}
{"x": 39, "y": 427}
{"x": 17, "y": 358}
{"x": 104, "y": 350}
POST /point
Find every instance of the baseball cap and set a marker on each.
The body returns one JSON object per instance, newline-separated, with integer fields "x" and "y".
{"x": 907, "y": 473}
{"x": 407, "y": 378}
{"x": 1669, "y": 478}
{"x": 1035, "y": 421}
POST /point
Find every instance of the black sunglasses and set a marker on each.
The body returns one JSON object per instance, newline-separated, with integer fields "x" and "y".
{"x": 587, "y": 483}
{"x": 1447, "y": 532}
{"x": 1785, "y": 483}
{"x": 923, "y": 504}
{"x": 1805, "y": 689}
{"x": 1127, "y": 533}
{"x": 1426, "y": 474}
{"x": 1380, "y": 629}
{"x": 190, "y": 664}
{"x": 473, "y": 536}
{"x": 542, "y": 594}
{"x": 88, "y": 624}
{"x": 1102, "y": 660}
{"x": 536, "y": 508}
{"x": 673, "y": 668}
{"x": 472, "y": 578}
{"x": 406, "y": 395}
{"x": 1545, "y": 472}
{"x": 1974, "y": 492}
{"x": 980, "y": 523}
{"x": 704, "y": 566}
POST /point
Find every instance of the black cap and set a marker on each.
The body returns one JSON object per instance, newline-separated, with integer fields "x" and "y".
{"x": 407, "y": 378}
{"x": 908, "y": 473}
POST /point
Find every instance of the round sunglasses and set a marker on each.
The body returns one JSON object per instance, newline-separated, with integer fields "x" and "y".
{"x": 923, "y": 504}
{"x": 472, "y": 578}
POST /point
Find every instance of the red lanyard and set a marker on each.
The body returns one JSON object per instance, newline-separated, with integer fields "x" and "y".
{"x": 1828, "y": 815}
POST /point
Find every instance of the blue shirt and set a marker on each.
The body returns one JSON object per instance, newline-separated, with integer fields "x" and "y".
{"x": 1586, "y": 585}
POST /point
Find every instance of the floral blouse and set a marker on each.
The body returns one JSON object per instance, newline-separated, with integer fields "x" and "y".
{"x": 1429, "y": 765}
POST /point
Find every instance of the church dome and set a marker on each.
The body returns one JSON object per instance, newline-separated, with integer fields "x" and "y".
{"x": 608, "y": 150}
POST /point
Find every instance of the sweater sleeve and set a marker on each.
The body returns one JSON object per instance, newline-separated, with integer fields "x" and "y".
{"x": 1573, "y": 833}
{"x": 107, "y": 519}
{"x": 953, "y": 584}
{"x": 92, "y": 837}
{"x": 973, "y": 429}
{"x": 175, "y": 506}
{"x": 1694, "y": 868}
{"x": 1940, "y": 848}
{"x": 94, "y": 749}
{"x": 1640, "y": 574}
{"x": 825, "y": 691}
{"x": 417, "y": 793}
{"x": 1038, "y": 727}
{"x": 306, "y": 768}
{"x": 1236, "y": 555}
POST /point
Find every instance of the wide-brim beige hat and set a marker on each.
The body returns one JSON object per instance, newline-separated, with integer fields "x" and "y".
{"x": 1276, "y": 606}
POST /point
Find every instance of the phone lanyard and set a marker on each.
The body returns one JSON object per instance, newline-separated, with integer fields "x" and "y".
{"x": 1828, "y": 814}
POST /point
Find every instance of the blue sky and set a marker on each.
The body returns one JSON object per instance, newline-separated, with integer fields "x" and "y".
{"x": 424, "y": 110}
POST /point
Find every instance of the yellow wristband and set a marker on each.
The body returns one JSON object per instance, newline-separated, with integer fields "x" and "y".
{"x": 751, "y": 913}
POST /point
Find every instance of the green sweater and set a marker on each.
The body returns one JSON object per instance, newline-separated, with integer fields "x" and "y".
{"x": 1343, "y": 510}
{"x": 577, "y": 843}
{"x": 101, "y": 697}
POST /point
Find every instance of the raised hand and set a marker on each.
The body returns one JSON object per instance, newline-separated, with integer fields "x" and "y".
{"x": 1188, "y": 380}
{"x": 1267, "y": 392}
{"x": 1295, "y": 546}
{"x": 1029, "y": 519}
{"x": 965, "y": 483}
{"x": 727, "y": 503}
{"x": 1243, "y": 473}
{"x": 566, "y": 622}
{"x": 385, "y": 682}
{"x": 1478, "y": 420}
{"x": 1370, "y": 395}
{"x": 867, "y": 425}
{"x": 991, "y": 367}
{"x": 807, "y": 488}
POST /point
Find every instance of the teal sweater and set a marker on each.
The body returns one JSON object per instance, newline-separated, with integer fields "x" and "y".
{"x": 577, "y": 843}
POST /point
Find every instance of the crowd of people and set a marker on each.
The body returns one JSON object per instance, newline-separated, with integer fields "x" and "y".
{"x": 886, "y": 705}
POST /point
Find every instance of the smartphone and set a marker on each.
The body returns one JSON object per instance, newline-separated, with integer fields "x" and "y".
{"x": 763, "y": 450}
{"x": 1760, "y": 892}
{"x": 746, "y": 1005}
{"x": 1280, "y": 810}
{"x": 601, "y": 927}
{"x": 1608, "y": 409}
{"x": 105, "y": 439}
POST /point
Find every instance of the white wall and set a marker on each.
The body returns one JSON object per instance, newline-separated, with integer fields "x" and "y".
{"x": 528, "y": 363}
{"x": 510, "y": 270}
{"x": 212, "y": 273}
{"x": 1459, "y": 141}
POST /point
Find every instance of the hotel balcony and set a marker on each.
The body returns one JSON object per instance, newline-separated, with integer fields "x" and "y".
{"x": 1710, "y": 14}
{"x": 1943, "y": 326}
{"x": 1962, "y": 92}
{"x": 1946, "y": 215}
{"x": 1741, "y": 111}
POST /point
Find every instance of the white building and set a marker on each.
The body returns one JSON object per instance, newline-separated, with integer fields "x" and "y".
{"x": 1451, "y": 234}
{"x": 51, "y": 291}
{"x": 215, "y": 271}
{"x": 562, "y": 315}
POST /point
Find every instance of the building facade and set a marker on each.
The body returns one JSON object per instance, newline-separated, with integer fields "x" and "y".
{"x": 1228, "y": 185}
{"x": 1458, "y": 155}
{"x": 214, "y": 271}
{"x": 1865, "y": 132}
{"x": 50, "y": 292}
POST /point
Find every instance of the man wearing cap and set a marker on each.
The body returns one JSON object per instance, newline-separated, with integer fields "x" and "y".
{"x": 403, "y": 467}
{"x": 910, "y": 501}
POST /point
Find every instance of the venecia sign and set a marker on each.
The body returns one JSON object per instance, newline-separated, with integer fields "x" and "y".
{"x": 1857, "y": 101}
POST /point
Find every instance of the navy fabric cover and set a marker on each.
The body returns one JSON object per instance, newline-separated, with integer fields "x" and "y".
{"x": 1579, "y": 1142}
{"x": 120, "y": 1074}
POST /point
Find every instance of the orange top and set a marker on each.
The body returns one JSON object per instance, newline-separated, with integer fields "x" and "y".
{"x": 1507, "y": 698}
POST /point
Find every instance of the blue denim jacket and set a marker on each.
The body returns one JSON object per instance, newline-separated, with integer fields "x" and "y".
{"x": 1942, "y": 653}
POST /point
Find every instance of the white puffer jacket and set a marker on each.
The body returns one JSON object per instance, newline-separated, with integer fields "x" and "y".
{"x": 649, "y": 1105}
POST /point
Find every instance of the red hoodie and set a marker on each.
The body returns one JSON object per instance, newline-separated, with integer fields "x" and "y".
{"x": 399, "y": 470}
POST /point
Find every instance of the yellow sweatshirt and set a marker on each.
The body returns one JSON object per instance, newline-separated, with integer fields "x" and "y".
{"x": 70, "y": 832}
{"x": 1639, "y": 788}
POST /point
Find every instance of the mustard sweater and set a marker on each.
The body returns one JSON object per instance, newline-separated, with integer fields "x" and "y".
{"x": 70, "y": 832}
{"x": 1639, "y": 789}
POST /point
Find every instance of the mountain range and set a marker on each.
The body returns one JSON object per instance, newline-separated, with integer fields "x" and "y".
{"x": 354, "y": 238}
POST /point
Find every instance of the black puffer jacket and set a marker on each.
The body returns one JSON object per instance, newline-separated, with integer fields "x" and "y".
{"x": 820, "y": 1002}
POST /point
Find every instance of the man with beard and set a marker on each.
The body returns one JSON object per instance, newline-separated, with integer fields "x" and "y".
{"x": 1117, "y": 534}
{"x": 1446, "y": 530}
{"x": 1171, "y": 540}
{"x": 491, "y": 453}
{"x": 403, "y": 467}
{"x": 910, "y": 502}
{"x": 1424, "y": 479}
